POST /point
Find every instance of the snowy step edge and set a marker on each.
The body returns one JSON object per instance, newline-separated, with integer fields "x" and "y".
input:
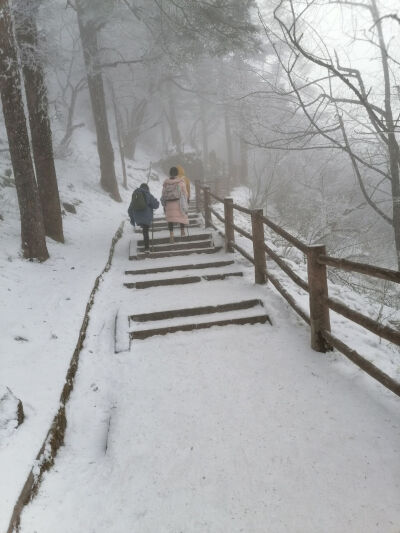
{"x": 161, "y": 255}
{"x": 248, "y": 319}
{"x": 186, "y": 280}
{"x": 195, "y": 311}
{"x": 176, "y": 246}
{"x": 196, "y": 270}
{"x": 178, "y": 239}
{"x": 180, "y": 267}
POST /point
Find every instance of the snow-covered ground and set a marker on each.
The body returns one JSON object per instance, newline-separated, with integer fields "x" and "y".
{"x": 42, "y": 305}
{"x": 229, "y": 429}
{"x": 382, "y": 353}
{"x": 205, "y": 431}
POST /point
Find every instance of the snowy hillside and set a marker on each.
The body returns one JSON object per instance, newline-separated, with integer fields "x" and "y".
{"x": 43, "y": 304}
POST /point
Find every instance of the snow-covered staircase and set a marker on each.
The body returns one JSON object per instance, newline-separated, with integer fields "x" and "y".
{"x": 162, "y": 278}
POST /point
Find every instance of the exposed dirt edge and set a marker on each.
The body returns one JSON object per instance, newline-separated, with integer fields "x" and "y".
{"x": 55, "y": 436}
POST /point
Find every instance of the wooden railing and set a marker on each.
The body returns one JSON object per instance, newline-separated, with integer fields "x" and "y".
{"x": 320, "y": 303}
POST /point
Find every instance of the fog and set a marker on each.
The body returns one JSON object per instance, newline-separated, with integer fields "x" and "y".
{"x": 294, "y": 100}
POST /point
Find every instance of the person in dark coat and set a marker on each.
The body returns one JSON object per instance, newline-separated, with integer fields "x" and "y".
{"x": 144, "y": 217}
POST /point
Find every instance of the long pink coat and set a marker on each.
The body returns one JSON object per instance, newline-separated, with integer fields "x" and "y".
{"x": 173, "y": 212}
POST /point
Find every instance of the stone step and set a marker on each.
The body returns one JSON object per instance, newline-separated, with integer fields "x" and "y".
{"x": 195, "y": 311}
{"x": 146, "y": 333}
{"x": 177, "y": 246}
{"x": 196, "y": 266}
{"x": 192, "y": 216}
{"x": 186, "y": 280}
{"x": 159, "y": 255}
{"x": 162, "y": 223}
{"x": 186, "y": 238}
{"x": 164, "y": 227}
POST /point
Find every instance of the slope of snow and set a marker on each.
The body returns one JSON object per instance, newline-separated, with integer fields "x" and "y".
{"x": 236, "y": 429}
{"x": 43, "y": 304}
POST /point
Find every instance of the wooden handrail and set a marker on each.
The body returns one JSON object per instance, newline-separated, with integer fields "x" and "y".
{"x": 216, "y": 197}
{"x": 216, "y": 214}
{"x": 363, "y": 363}
{"x": 242, "y": 209}
{"x": 243, "y": 252}
{"x": 290, "y": 300}
{"x": 320, "y": 302}
{"x": 361, "y": 268}
{"x": 242, "y": 232}
{"x": 286, "y": 268}
{"x": 298, "y": 244}
{"x": 385, "y": 332}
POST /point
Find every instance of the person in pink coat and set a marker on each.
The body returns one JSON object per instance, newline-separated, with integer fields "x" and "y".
{"x": 175, "y": 201}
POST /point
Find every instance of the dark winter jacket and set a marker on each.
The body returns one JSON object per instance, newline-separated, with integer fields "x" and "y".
{"x": 145, "y": 216}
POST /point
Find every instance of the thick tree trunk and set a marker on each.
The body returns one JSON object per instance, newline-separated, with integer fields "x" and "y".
{"x": 36, "y": 98}
{"x": 88, "y": 33}
{"x": 32, "y": 228}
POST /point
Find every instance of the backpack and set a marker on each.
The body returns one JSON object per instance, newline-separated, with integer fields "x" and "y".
{"x": 139, "y": 202}
{"x": 183, "y": 204}
{"x": 171, "y": 191}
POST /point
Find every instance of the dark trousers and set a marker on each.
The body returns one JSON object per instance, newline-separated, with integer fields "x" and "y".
{"x": 171, "y": 226}
{"x": 145, "y": 230}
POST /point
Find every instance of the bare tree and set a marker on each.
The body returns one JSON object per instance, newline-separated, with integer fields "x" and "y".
{"x": 89, "y": 27}
{"x": 37, "y": 102}
{"x": 334, "y": 98}
{"x": 32, "y": 227}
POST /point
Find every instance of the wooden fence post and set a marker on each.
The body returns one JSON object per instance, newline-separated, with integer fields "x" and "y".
{"x": 207, "y": 212}
{"x": 198, "y": 193}
{"x": 318, "y": 290}
{"x": 229, "y": 231}
{"x": 260, "y": 264}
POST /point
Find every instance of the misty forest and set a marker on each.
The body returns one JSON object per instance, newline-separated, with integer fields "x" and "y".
{"x": 199, "y": 266}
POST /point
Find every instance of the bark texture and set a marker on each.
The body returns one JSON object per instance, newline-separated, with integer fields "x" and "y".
{"x": 88, "y": 32}
{"x": 37, "y": 102}
{"x": 32, "y": 227}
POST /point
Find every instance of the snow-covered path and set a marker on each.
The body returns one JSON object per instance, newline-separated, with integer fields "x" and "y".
{"x": 229, "y": 429}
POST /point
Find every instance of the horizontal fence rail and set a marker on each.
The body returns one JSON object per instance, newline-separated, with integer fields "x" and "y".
{"x": 360, "y": 268}
{"x": 289, "y": 298}
{"x": 363, "y": 363}
{"x": 242, "y": 209}
{"x": 216, "y": 197}
{"x": 242, "y": 232}
{"x": 280, "y": 231}
{"x": 217, "y": 215}
{"x": 385, "y": 332}
{"x": 243, "y": 252}
{"x": 292, "y": 275}
{"x": 320, "y": 304}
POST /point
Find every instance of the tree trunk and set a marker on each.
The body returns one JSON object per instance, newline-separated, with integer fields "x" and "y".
{"x": 204, "y": 133}
{"x": 172, "y": 120}
{"x": 88, "y": 33}
{"x": 32, "y": 227}
{"x": 227, "y": 125}
{"x": 36, "y": 98}
{"x": 244, "y": 162}
{"x": 119, "y": 136}
{"x": 393, "y": 147}
{"x": 229, "y": 147}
